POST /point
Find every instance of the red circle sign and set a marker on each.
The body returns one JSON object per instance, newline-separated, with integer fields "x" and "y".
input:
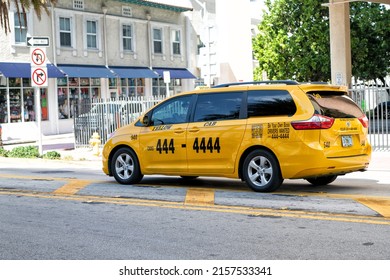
{"x": 39, "y": 77}
{"x": 38, "y": 57}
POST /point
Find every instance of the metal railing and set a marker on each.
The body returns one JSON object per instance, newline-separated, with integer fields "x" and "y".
{"x": 374, "y": 99}
{"x": 104, "y": 116}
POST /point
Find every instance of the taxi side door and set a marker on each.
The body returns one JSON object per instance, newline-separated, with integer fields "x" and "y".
{"x": 215, "y": 133}
{"x": 163, "y": 139}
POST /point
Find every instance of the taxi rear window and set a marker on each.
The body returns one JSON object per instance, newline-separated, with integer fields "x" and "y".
{"x": 334, "y": 105}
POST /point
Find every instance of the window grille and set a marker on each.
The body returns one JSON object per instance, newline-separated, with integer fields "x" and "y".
{"x": 78, "y": 4}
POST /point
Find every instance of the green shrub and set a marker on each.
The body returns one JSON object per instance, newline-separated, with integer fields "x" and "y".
{"x": 24, "y": 152}
{"x": 3, "y": 152}
{"x": 52, "y": 155}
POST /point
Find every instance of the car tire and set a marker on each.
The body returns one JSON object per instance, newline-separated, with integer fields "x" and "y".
{"x": 261, "y": 171}
{"x": 322, "y": 180}
{"x": 125, "y": 167}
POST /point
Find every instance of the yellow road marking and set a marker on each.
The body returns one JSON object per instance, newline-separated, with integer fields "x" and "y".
{"x": 205, "y": 196}
{"x": 382, "y": 206}
{"x": 72, "y": 187}
{"x": 199, "y": 197}
{"x": 379, "y": 204}
{"x": 256, "y": 212}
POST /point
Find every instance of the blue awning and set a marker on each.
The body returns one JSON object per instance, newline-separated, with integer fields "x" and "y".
{"x": 86, "y": 71}
{"x": 133, "y": 72}
{"x": 23, "y": 70}
{"x": 176, "y": 73}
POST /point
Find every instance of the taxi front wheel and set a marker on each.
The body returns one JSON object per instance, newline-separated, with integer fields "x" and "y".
{"x": 261, "y": 171}
{"x": 125, "y": 167}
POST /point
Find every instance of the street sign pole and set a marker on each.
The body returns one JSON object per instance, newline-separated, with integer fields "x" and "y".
{"x": 38, "y": 78}
{"x": 38, "y": 116}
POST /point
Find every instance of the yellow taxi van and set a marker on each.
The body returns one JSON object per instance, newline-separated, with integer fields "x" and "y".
{"x": 259, "y": 132}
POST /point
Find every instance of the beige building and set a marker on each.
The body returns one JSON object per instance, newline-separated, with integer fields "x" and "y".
{"x": 97, "y": 49}
{"x": 119, "y": 48}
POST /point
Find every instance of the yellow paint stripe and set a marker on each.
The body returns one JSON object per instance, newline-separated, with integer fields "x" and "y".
{"x": 382, "y": 206}
{"x": 72, "y": 187}
{"x": 260, "y": 212}
{"x": 199, "y": 197}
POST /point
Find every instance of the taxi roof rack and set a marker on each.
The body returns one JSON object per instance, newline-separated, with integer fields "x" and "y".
{"x": 286, "y": 82}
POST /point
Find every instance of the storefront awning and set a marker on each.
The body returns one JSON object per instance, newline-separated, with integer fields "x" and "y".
{"x": 176, "y": 73}
{"x": 23, "y": 70}
{"x": 86, "y": 71}
{"x": 133, "y": 72}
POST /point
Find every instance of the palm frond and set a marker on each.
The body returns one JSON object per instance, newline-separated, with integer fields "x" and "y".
{"x": 22, "y": 7}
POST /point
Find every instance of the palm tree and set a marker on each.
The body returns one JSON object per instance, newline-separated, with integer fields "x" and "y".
{"x": 21, "y": 7}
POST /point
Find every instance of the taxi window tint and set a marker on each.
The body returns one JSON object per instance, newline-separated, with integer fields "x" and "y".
{"x": 335, "y": 105}
{"x": 218, "y": 106}
{"x": 270, "y": 103}
{"x": 172, "y": 111}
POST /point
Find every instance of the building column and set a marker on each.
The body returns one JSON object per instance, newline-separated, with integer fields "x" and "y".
{"x": 340, "y": 43}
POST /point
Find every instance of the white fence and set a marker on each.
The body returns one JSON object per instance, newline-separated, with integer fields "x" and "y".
{"x": 374, "y": 99}
{"x": 104, "y": 116}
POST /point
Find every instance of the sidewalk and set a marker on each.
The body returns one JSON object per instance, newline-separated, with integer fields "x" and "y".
{"x": 62, "y": 143}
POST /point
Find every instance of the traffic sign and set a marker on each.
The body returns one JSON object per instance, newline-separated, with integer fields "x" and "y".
{"x": 38, "y": 41}
{"x": 39, "y": 76}
{"x": 38, "y": 56}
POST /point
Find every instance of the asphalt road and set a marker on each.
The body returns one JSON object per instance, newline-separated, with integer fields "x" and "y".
{"x": 70, "y": 210}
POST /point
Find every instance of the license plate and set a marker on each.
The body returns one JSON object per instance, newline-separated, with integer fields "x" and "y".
{"x": 347, "y": 141}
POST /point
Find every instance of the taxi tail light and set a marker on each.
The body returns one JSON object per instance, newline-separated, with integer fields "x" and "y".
{"x": 315, "y": 122}
{"x": 364, "y": 120}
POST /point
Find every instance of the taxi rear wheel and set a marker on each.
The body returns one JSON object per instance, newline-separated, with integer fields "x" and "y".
{"x": 261, "y": 171}
{"x": 322, "y": 181}
{"x": 125, "y": 167}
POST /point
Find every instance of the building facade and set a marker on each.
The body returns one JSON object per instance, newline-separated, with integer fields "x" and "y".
{"x": 98, "y": 49}
{"x": 225, "y": 29}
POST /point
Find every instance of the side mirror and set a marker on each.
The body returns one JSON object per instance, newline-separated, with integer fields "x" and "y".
{"x": 145, "y": 120}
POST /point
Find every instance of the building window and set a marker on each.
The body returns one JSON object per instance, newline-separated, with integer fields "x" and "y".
{"x": 126, "y": 11}
{"x": 18, "y": 95}
{"x": 91, "y": 34}
{"x": 159, "y": 88}
{"x": 176, "y": 42}
{"x": 78, "y": 4}
{"x": 3, "y": 100}
{"x": 65, "y": 32}
{"x": 127, "y": 37}
{"x": 113, "y": 87}
{"x": 75, "y": 95}
{"x": 157, "y": 40}
{"x": 132, "y": 87}
{"x": 20, "y": 28}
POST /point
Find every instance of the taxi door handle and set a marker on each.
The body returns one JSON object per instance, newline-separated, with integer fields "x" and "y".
{"x": 194, "y": 129}
{"x": 178, "y": 130}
